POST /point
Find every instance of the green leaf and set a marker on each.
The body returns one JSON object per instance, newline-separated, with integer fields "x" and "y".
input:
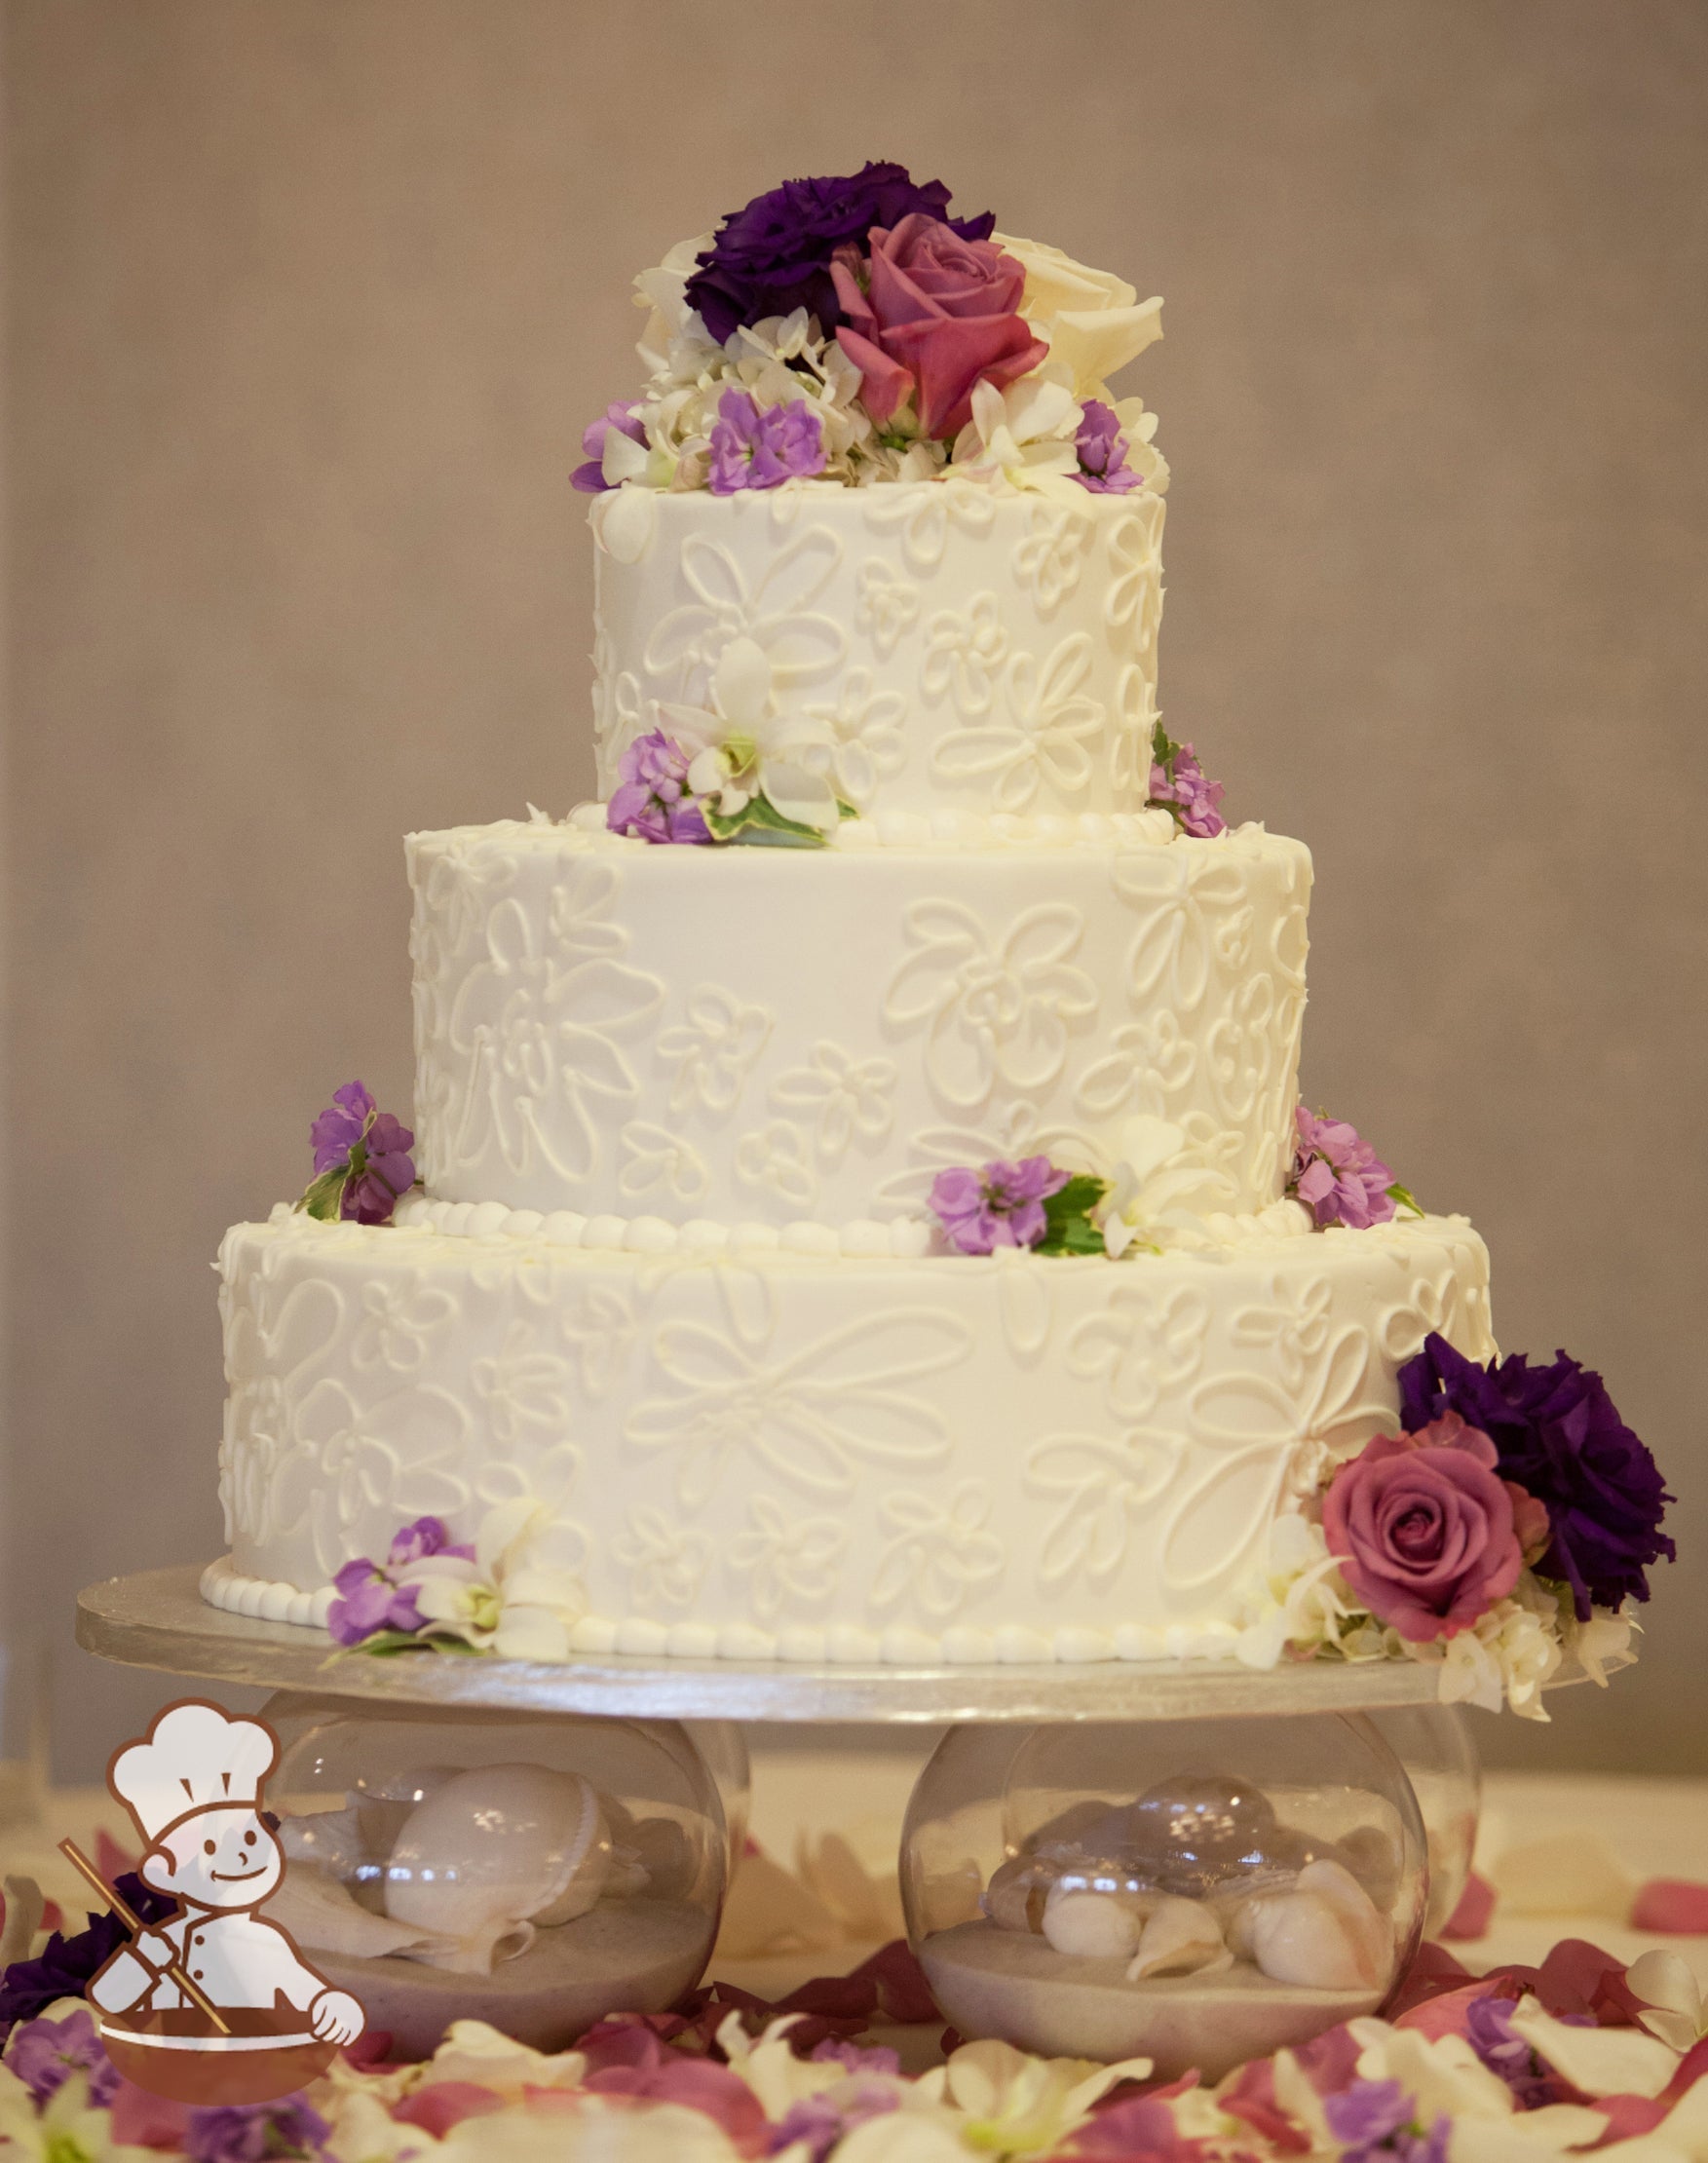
{"x": 760, "y": 821}
{"x": 1406, "y": 1199}
{"x": 1066, "y": 1217}
{"x": 323, "y": 1197}
{"x": 1163, "y": 749}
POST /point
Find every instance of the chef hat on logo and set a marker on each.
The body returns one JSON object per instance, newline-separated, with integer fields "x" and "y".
{"x": 196, "y": 1758}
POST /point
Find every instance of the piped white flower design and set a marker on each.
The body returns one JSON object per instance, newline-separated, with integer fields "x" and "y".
{"x": 786, "y": 1558}
{"x": 815, "y": 1418}
{"x": 993, "y": 1009}
{"x": 1045, "y": 736}
{"x": 398, "y": 1322}
{"x": 1136, "y": 715}
{"x": 925, "y": 515}
{"x": 655, "y": 1161}
{"x": 1143, "y": 1344}
{"x": 1147, "y": 1063}
{"x": 540, "y": 1031}
{"x": 1050, "y": 553}
{"x": 1133, "y": 601}
{"x": 714, "y": 1049}
{"x": 772, "y": 1157}
{"x": 963, "y": 654}
{"x": 940, "y": 1551}
{"x": 865, "y": 744}
{"x": 1101, "y": 1484}
{"x": 666, "y": 1561}
{"x": 849, "y": 1096}
{"x": 522, "y": 1387}
{"x": 599, "y": 1328}
{"x": 886, "y": 605}
{"x": 801, "y": 643}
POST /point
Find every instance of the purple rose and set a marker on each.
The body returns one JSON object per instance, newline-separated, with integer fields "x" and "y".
{"x": 626, "y": 420}
{"x": 755, "y": 448}
{"x": 1102, "y": 453}
{"x": 44, "y": 2054}
{"x": 369, "y": 1600}
{"x": 255, "y": 2131}
{"x": 1559, "y": 1436}
{"x": 652, "y": 800}
{"x": 1424, "y": 1530}
{"x": 1000, "y": 1206}
{"x": 929, "y": 315}
{"x": 773, "y": 255}
{"x": 1337, "y": 1174}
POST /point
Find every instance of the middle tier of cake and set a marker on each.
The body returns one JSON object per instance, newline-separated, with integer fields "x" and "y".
{"x": 773, "y": 1034}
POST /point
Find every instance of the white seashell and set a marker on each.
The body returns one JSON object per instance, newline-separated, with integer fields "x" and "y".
{"x": 1014, "y": 1898}
{"x": 320, "y": 1912}
{"x": 1092, "y": 1925}
{"x": 1182, "y": 1937}
{"x": 494, "y": 1852}
{"x": 329, "y": 1840}
{"x": 1326, "y": 1933}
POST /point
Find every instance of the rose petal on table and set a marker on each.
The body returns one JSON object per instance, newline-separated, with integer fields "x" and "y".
{"x": 1568, "y": 1874}
{"x": 1476, "y": 1905}
{"x": 1672, "y": 1907}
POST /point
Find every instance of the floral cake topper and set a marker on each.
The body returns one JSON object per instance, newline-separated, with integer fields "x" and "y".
{"x": 850, "y": 329}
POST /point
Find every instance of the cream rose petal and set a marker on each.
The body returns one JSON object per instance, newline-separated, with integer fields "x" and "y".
{"x": 1599, "y": 2060}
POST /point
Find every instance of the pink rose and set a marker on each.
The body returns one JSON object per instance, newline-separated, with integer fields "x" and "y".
{"x": 1425, "y": 1529}
{"x": 938, "y": 315}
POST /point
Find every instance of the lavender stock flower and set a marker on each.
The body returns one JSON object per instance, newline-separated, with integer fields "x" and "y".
{"x": 1180, "y": 785}
{"x": 774, "y": 254}
{"x": 589, "y": 477}
{"x": 1559, "y": 1436}
{"x": 1102, "y": 453}
{"x": 44, "y": 2054}
{"x": 652, "y": 802}
{"x": 1000, "y": 1205}
{"x": 255, "y": 2131}
{"x": 1488, "y": 2029}
{"x": 362, "y": 1166}
{"x": 754, "y": 448}
{"x": 1373, "y": 2119}
{"x": 369, "y": 1600}
{"x": 1339, "y": 1176}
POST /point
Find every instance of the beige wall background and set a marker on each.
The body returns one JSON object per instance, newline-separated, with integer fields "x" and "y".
{"x": 309, "y": 301}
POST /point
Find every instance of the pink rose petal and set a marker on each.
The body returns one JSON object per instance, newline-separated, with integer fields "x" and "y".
{"x": 1476, "y": 1905}
{"x": 1672, "y": 1908}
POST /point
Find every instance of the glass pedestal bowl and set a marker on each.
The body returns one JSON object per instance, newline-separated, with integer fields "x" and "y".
{"x": 1193, "y": 1891}
{"x": 533, "y": 1870}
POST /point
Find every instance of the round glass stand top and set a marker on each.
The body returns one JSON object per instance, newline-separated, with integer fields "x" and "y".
{"x": 157, "y": 1619}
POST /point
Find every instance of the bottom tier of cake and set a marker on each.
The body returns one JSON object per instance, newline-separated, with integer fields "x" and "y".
{"x": 818, "y": 1458}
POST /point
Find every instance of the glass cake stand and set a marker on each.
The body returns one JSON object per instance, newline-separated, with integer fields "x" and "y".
{"x": 1318, "y": 1798}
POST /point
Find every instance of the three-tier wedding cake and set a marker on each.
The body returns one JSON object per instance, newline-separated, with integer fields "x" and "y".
{"x": 865, "y": 1212}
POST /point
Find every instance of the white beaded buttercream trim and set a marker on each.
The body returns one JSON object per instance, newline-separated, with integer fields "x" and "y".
{"x": 224, "y": 1586}
{"x": 903, "y": 1239}
{"x": 942, "y": 830}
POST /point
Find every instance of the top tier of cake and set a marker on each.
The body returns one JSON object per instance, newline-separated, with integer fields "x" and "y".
{"x": 934, "y": 646}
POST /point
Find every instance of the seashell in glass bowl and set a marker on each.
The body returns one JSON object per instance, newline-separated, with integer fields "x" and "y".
{"x": 1194, "y": 1891}
{"x": 531, "y": 1871}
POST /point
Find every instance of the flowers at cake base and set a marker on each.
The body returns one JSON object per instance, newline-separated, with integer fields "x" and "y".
{"x": 1426, "y": 1546}
{"x": 508, "y": 1593}
{"x": 1180, "y": 785}
{"x": 1339, "y": 1177}
{"x": 999, "y": 1205}
{"x": 362, "y": 1166}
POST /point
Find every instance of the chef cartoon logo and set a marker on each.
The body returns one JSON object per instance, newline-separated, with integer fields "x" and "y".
{"x": 215, "y": 2005}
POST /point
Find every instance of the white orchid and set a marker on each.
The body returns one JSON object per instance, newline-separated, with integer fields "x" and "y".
{"x": 742, "y": 749}
{"x": 1159, "y": 1193}
{"x": 519, "y": 1596}
{"x": 1301, "y": 1602}
{"x": 1024, "y": 436}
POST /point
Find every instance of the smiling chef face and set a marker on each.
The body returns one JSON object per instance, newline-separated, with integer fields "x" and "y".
{"x": 226, "y": 1857}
